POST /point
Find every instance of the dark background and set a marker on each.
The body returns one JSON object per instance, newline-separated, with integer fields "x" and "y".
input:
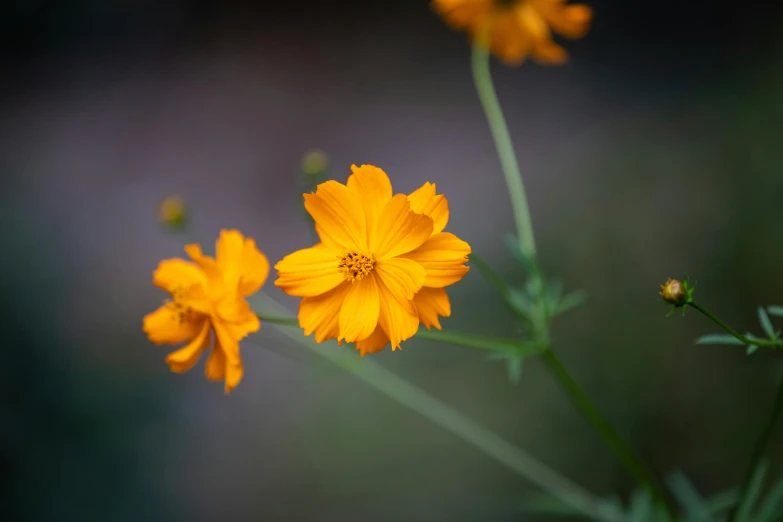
{"x": 655, "y": 151}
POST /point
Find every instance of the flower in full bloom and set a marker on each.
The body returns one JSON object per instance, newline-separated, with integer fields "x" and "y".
{"x": 208, "y": 297}
{"x": 377, "y": 253}
{"x": 519, "y": 28}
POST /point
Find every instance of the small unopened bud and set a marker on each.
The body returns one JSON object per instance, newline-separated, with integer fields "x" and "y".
{"x": 674, "y": 291}
{"x": 172, "y": 212}
{"x": 315, "y": 164}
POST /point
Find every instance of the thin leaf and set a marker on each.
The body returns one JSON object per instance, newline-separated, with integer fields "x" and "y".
{"x": 686, "y": 494}
{"x": 641, "y": 506}
{"x": 543, "y": 504}
{"x": 775, "y": 310}
{"x": 497, "y": 344}
{"x": 515, "y": 369}
{"x": 490, "y": 275}
{"x": 766, "y": 324}
{"x": 529, "y": 265}
{"x": 751, "y": 349}
{"x": 570, "y": 301}
{"x": 718, "y": 339}
{"x": 752, "y": 494}
{"x": 772, "y": 504}
{"x": 721, "y": 502}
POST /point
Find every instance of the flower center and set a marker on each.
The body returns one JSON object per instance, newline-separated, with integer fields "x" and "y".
{"x": 355, "y": 266}
{"x": 180, "y": 311}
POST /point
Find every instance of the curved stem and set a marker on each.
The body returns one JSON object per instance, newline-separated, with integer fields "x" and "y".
{"x": 763, "y": 343}
{"x": 508, "y": 161}
{"x": 394, "y": 387}
{"x": 622, "y": 451}
{"x": 758, "y": 450}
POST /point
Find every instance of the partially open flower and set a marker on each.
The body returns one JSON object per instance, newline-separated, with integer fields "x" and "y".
{"x": 673, "y": 291}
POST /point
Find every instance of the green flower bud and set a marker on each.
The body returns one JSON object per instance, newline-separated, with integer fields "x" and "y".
{"x": 675, "y": 292}
{"x": 172, "y": 212}
{"x": 315, "y": 164}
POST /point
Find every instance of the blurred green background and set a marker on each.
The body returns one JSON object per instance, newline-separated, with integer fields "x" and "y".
{"x": 654, "y": 152}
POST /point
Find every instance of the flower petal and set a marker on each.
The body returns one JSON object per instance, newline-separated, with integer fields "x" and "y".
{"x": 183, "y": 359}
{"x": 431, "y": 303}
{"x": 372, "y": 187}
{"x": 309, "y": 272}
{"x": 164, "y": 327}
{"x": 399, "y": 229}
{"x": 395, "y": 317}
{"x": 359, "y": 313}
{"x": 376, "y": 342}
{"x": 228, "y": 343}
{"x": 321, "y": 313}
{"x": 570, "y": 21}
{"x": 443, "y": 257}
{"x": 243, "y": 265}
{"x": 208, "y": 265}
{"x": 403, "y": 277}
{"x": 425, "y": 200}
{"x": 219, "y": 366}
{"x": 463, "y": 13}
{"x": 339, "y": 215}
{"x": 173, "y": 274}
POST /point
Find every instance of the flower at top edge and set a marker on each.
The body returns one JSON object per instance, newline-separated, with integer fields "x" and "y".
{"x": 519, "y": 28}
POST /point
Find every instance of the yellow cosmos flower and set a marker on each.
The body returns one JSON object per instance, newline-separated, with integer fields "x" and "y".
{"x": 208, "y": 295}
{"x": 381, "y": 265}
{"x": 518, "y": 28}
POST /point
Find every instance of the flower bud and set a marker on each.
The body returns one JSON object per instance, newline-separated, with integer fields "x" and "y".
{"x": 172, "y": 212}
{"x": 674, "y": 291}
{"x": 315, "y": 164}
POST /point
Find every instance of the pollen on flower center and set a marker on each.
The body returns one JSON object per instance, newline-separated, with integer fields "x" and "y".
{"x": 179, "y": 311}
{"x": 355, "y": 266}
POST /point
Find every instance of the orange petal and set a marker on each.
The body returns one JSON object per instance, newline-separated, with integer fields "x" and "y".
{"x": 228, "y": 343}
{"x": 425, "y": 200}
{"x": 309, "y": 272}
{"x": 359, "y": 313}
{"x": 237, "y": 317}
{"x": 208, "y": 265}
{"x": 443, "y": 257}
{"x": 339, "y": 215}
{"x": 400, "y": 230}
{"x": 173, "y": 274}
{"x": 164, "y": 327}
{"x": 549, "y": 53}
{"x": 372, "y": 187}
{"x": 321, "y": 313}
{"x": 183, "y": 359}
{"x": 463, "y": 13}
{"x": 431, "y": 303}
{"x": 403, "y": 277}
{"x": 570, "y": 21}
{"x": 231, "y": 371}
{"x": 395, "y": 317}
{"x": 243, "y": 265}
{"x": 374, "y": 343}
{"x": 215, "y": 369}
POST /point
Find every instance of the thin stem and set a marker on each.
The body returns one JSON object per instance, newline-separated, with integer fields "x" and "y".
{"x": 758, "y": 342}
{"x": 622, "y": 451}
{"x": 508, "y": 161}
{"x": 394, "y": 387}
{"x": 758, "y": 450}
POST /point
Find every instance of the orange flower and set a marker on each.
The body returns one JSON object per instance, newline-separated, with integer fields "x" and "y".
{"x": 377, "y": 253}
{"x": 518, "y": 28}
{"x": 208, "y": 295}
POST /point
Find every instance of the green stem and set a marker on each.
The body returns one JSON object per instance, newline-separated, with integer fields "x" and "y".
{"x": 508, "y": 160}
{"x": 394, "y": 387}
{"x": 758, "y": 450}
{"x": 622, "y": 451}
{"x": 762, "y": 343}
{"x": 540, "y": 330}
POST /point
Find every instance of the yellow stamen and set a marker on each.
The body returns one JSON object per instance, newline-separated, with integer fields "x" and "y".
{"x": 355, "y": 266}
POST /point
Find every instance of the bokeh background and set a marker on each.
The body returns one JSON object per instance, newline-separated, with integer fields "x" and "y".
{"x": 655, "y": 151}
